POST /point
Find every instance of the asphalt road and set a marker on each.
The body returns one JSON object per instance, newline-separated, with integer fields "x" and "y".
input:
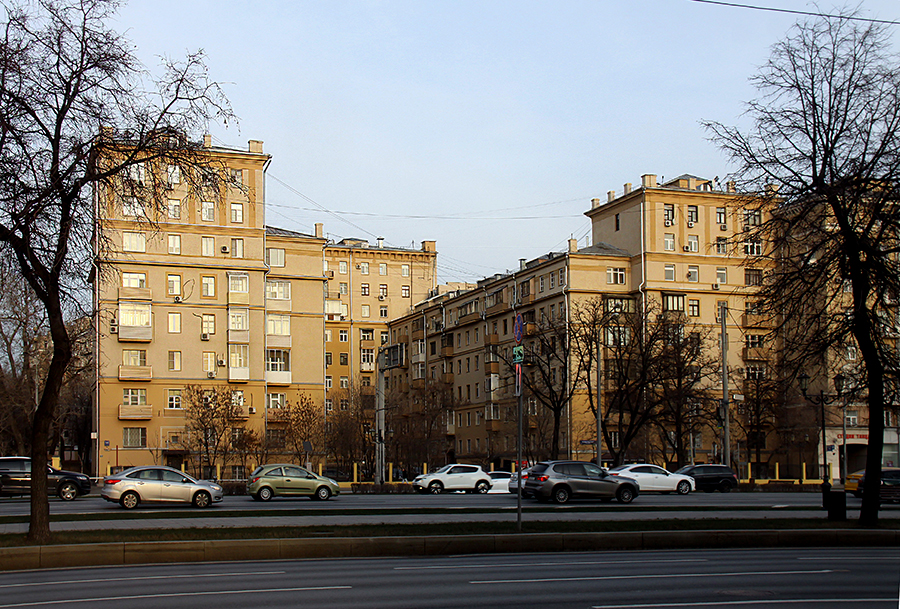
{"x": 824, "y": 578}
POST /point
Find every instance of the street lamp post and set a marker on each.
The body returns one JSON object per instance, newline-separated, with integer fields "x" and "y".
{"x": 822, "y": 400}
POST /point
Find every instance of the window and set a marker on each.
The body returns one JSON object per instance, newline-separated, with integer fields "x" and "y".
{"x": 364, "y": 289}
{"x": 134, "y": 314}
{"x": 669, "y": 242}
{"x": 174, "y": 323}
{"x": 173, "y": 175}
{"x": 382, "y": 290}
{"x": 174, "y": 284}
{"x": 552, "y": 280}
{"x": 693, "y": 273}
{"x": 329, "y": 405}
{"x": 673, "y": 302}
{"x": 721, "y": 246}
{"x": 753, "y": 248}
{"x": 207, "y": 211}
{"x": 617, "y": 222}
{"x": 692, "y": 215}
{"x": 208, "y": 286}
{"x": 278, "y": 290}
{"x": 541, "y": 283}
{"x": 328, "y": 383}
{"x": 174, "y": 206}
{"x": 694, "y": 307}
{"x": 239, "y": 356}
{"x": 404, "y": 270}
{"x": 174, "y": 361}
{"x": 278, "y": 360}
{"x": 237, "y": 248}
{"x": 721, "y": 217}
{"x": 618, "y": 336}
{"x": 383, "y": 312}
{"x": 693, "y": 243}
{"x": 669, "y": 212}
{"x": 238, "y": 283}
{"x": 753, "y": 277}
{"x": 134, "y": 397}
{"x": 367, "y": 356}
{"x": 344, "y": 335}
{"x": 404, "y": 291}
{"x": 363, "y": 268}
{"x": 328, "y": 359}
{"x": 343, "y": 288}
{"x": 208, "y": 323}
{"x": 752, "y": 217}
{"x": 237, "y": 176}
{"x": 134, "y": 357}
{"x": 365, "y": 311}
{"x": 174, "y": 244}
{"x": 670, "y": 272}
{"x": 238, "y": 319}
{"x": 367, "y": 334}
{"x": 384, "y": 337}
{"x": 275, "y": 400}
{"x": 278, "y": 324}
{"x": 275, "y": 256}
{"x": 615, "y": 275}
{"x": 134, "y": 242}
{"x": 382, "y": 268}
{"x": 174, "y": 398}
{"x": 721, "y": 275}
{"x": 619, "y": 305}
{"x": 237, "y": 213}
{"x": 132, "y": 207}
{"x": 207, "y": 246}
{"x": 134, "y": 280}
{"x": 754, "y": 341}
{"x": 134, "y": 437}
{"x": 852, "y": 418}
{"x": 345, "y": 382}
{"x": 756, "y": 372}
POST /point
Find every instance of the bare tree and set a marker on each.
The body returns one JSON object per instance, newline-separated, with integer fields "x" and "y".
{"x": 303, "y": 424}
{"x": 71, "y": 91}
{"x": 826, "y": 136}
{"x": 210, "y": 418}
{"x": 417, "y": 423}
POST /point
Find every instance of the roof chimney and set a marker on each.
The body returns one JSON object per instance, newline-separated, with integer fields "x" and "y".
{"x": 573, "y": 245}
{"x": 207, "y": 141}
{"x": 380, "y": 242}
{"x": 595, "y": 203}
{"x": 320, "y": 230}
{"x": 522, "y": 264}
{"x": 610, "y": 196}
{"x": 627, "y": 187}
{"x": 429, "y": 246}
{"x": 648, "y": 180}
{"x": 730, "y": 186}
{"x": 255, "y": 146}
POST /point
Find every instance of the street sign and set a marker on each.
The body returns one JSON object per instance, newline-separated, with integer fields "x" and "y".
{"x": 518, "y": 329}
{"x": 518, "y": 354}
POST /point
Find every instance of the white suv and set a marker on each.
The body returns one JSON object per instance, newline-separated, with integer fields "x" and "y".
{"x": 454, "y": 477}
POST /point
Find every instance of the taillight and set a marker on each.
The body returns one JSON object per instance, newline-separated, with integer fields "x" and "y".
{"x": 254, "y": 480}
{"x": 111, "y": 481}
{"x": 542, "y": 478}
{"x": 613, "y": 473}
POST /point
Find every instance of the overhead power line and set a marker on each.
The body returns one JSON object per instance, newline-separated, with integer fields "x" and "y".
{"x": 796, "y": 12}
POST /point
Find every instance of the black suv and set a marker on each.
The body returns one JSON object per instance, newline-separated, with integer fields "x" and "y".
{"x": 711, "y": 477}
{"x": 15, "y": 479}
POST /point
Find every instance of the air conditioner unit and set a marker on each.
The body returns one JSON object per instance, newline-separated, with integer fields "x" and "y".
{"x": 723, "y": 227}
{"x": 685, "y": 248}
{"x": 329, "y": 274}
{"x": 690, "y": 225}
{"x": 251, "y": 409}
{"x": 715, "y": 286}
{"x": 210, "y": 375}
{"x": 221, "y": 361}
{"x": 178, "y": 299}
{"x": 381, "y": 297}
{"x": 224, "y": 249}
{"x": 204, "y": 336}
{"x": 113, "y": 327}
{"x": 668, "y": 223}
{"x": 359, "y": 266}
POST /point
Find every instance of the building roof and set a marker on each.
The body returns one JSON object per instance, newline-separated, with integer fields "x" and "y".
{"x": 283, "y": 232}
{"x": 603, "y": 249}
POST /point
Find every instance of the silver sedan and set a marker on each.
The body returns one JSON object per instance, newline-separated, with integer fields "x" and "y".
{"x": 158, "y": 483}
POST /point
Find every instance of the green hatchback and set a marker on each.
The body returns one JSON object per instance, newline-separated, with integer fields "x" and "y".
{"x": 286, "y": 480}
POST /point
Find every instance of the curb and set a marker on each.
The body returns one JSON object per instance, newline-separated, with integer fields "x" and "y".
{"x": 137, "y": 553}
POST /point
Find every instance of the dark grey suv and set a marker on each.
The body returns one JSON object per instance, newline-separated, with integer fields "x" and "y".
{"x": 711, "y": 477}
{"x": 15, "y": 479}
{"x": 562, "y": 480}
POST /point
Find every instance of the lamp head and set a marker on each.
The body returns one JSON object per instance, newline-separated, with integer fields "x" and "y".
{"x": 803, "y": 380}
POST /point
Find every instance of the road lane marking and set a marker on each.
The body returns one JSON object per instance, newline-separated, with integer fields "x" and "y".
{"x": 141, "y": 578}
{"x": 549, "y": 564}
{"x": 101, "y": 599}
{"x": 769, "y": 602}
{"x": 658, "y": 576}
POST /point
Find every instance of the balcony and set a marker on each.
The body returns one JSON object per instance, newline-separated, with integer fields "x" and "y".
{"x": 139, "y": 334}
{"x": 492, "y": 367}
{"x": 418, "y": 358}
{"x": 278, "y": 377}
{"x": 418, "y": 334}
{"x": 367, "y": 366}
{"x": 241, "y": 413}
{"x": 239, "y": 336}
{"x": 751, "y": 320}
{"x": 278, "y": 304}
{"x": 135, "y": 294}
{"x": 500, "y": 307}
{"x": 277, "y": 340}
{"x": 470, "y": 317}
{"x": 238, "y": 375}
{"x": 756, "y": 353}
{"x": 447, "y": 377}
{"x": 447, "y": 351}
{"x": 135, "y": 373}
{"x": 135, "y": 413}
{"x": 238, "y": 298}
{"x": 491, "y": 339}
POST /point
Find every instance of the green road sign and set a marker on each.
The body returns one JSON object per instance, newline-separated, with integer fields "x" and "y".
{"x": 518, "y": 354}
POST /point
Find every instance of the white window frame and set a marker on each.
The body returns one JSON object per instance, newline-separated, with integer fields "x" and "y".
{"x": 207, "y": 211}
{"x": 134, "y": 242}
{"x": 174, "y": 243}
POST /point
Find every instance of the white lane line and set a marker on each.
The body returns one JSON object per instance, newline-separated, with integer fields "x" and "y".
{"x": 549, "y": 564}
{"x": 769, "y": 602}
{"x": 659, "y": 576}
{"x": 141, "y": 578}
{"x": 101, "y": 599}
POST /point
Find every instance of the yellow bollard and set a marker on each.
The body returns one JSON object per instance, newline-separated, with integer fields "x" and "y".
{"x": 777, "y": 475}
{"x": 749, "y": 473}
{"x": 803, "y": 475}
{"x": 424, "y": 468}
{"x": 515, "y": 467}
{"x": 390, "y": 472}
{"x": 355, "y": 479}
{"x": 320, "y": 469}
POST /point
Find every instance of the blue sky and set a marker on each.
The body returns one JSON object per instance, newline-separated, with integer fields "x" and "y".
{"x": 485, "y": 125}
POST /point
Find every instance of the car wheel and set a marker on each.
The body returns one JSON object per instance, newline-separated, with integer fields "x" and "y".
{"x": 561, "y": 494}
{"x": 625, "y": 494}
{"x": 202, "y": 499}
{"x": 435, "y": 488}
{"x": 129, "y": 500}
{"x": 725, "y": 487}
{"x": 264, "y": 494}
{"x": 482, "y": 487}
{"x": 67, "y": 491}
{"x": 323, "y": 493}
{"x": 684, "y": 487}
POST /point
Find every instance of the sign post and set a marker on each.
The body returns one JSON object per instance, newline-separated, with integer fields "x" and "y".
{"x": 518, "y": 358}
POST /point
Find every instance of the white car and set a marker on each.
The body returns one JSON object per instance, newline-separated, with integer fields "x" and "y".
{"x": 500, "y": 482}
{"x": 454, "y": 477}
{"x": 653, "y": 478}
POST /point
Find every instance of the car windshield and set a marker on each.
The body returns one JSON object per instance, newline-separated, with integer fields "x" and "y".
{"x": 443, "y": 470}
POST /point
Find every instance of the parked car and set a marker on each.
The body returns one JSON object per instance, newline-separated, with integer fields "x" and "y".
{"x": 499, "y": 482}
{"x": 711, "y": 477}
{"x": 562, "y": 480}
{"x": 852, "y": 485}
{"x": 287, "y": 480}
{"x": 454, "y": 477}
{"x": 890, "y": 484}
{"x": 653, "y": 478}
{"x": 158, "y": 483}
{"x": 15, "y": 479}
{"x": 514, "y": 482}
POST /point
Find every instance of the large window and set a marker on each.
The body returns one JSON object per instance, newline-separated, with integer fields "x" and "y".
{"x": 174, "y": 323}
{"x": 174, "y": 284}
{"x": 238, "y": 319}
{"x": 207, "y": 246}
{"x": 174, "y": 244}
{"x": 207, "y": 211}
{"x": 174, "y": 361}
{"x": 753, "y": 277}
{"x": 135, "y": 314}
{"x": 673, "y": 302}
{"x": 752, "y": 217}
{"x": 615, "y": 275}
{"x": 237, "y": 212}
{"x": 753, "y": 248}
{"x": 134, "y": 242}
{"x": 134, "y": 357}
{"x": 134, "y": 437}
{"x": 278, "y": 290}
{"x": 278, "y": 324}
{"x": 134, "y": 397}
{"x": 238, "y": 283}
{"x": 174, "y": 398}
{"x": 134, "y": 280}
{"x": 208, "y": 323}
{"x": 275, "y": 400}
{"x": 278, "y": 360}
{"x": 274, "y": 256}
{"x": 208, "y": 286}
{"x": 239, "y": 356}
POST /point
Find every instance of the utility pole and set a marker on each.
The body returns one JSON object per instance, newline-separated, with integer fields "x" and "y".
{"x": 726, "y": 439}
{"x": 599, "y": 399}
{"x": 379, "y": 418}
